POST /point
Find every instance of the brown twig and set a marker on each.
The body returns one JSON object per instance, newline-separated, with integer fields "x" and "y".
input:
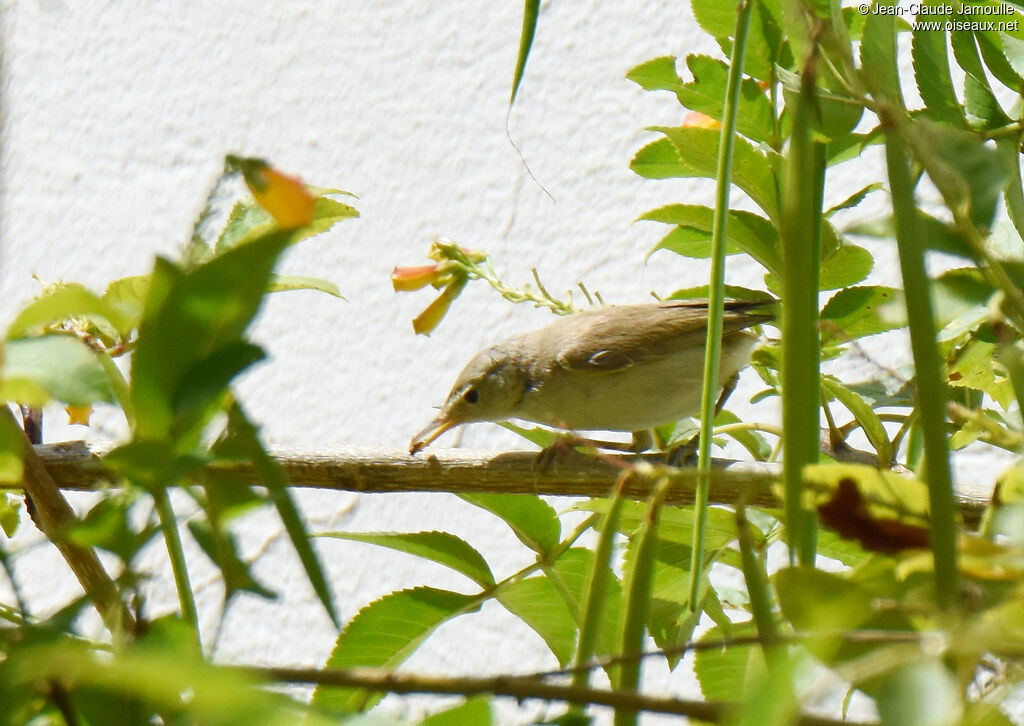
{"x": 54, "y": 517}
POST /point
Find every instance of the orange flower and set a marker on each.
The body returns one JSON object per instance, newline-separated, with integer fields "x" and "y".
{"x": 425, "y": 322}
{"x": 79, "y": 414}
{"x": 701, "y": 120}
{"x": 285, "y": 197}
{"x": 404, "y": 279}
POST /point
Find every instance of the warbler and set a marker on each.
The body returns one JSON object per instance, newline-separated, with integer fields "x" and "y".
{"x": 626, "y": 368}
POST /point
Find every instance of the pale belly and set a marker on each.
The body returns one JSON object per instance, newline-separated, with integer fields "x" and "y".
{"x": 636, "y": 398}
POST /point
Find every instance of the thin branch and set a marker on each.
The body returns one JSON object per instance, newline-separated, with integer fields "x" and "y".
{"x": 54, "y": 517}
{"x": 512, "y": 686}
{"x": 74, "y": 466}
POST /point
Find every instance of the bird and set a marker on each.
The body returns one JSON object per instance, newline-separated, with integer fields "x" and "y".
{"x": 618, "y": 368}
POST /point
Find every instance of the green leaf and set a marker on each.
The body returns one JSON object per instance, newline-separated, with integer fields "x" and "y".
{"x": 1013, "y": 50}
{"x": 864, "y": 414}
{"x": 745, "y": 232}
{"x": 967, "y": 171}
{"x": 990, "y": 43}
{"x": 921, "y": 694}
{"x": 532, "y": 519}
{"x": 878, "y": 53}
{"x": 854, "y": 199}
{"x": 191, "y": 316}
{"x": 574, "y": 567}
{"x": 753, "y": 441}
{"x": 847, "y": 265}
{"x": 54, "y": 367}
{"x": 728, "y": 674}
{"x": 706, "y": 93}
{"x": 12, "y": 451}
{"x": 281, "y": 283}
{"x": 857, "y": 312}
{"x": 836, "y": 115}
{"x": 980, "y": 102}
{"x": 69, "y": 300}
{"x": 384, "y": 634}
{"x": 109, "y": 525}
{"x": 718, "y": 19}
{"x": 821, "y": 602}
{"x": 1013, "y": 192}
{"x": 244, "y": 437}
{"x": 931, "y": 70}
{"x": 10, "y": 513}
{"x": 441, "y": 547}
{"x": 973, "y": 367}
{"x": 537, "y": 602}
{"x": 660, "y": 160}
{"x": 249, "y": 222}
{"x": 473, "y": 712}
{"x": 753, "y": 171}
{"x": 203, "y": 384}
{"x": 531, "y": 9}
{"x": 220, "y": 546}
{"x": 658, "y": 74}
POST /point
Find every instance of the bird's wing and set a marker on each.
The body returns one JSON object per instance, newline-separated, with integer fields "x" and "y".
{"x": 614, "y": 339}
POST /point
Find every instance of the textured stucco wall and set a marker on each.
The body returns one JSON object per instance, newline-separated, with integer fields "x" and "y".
{"x": 118, "y": 118}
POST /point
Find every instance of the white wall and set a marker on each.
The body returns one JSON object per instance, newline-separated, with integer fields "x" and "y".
{"x": 118, "y": 118}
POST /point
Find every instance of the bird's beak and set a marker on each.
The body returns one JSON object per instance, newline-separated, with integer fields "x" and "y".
{"x": 434, "y": 429}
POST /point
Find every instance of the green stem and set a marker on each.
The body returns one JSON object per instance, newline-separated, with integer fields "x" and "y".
{"x": 756, "y": 578}
{"x": 800, "y": 370}
{"x": 592, "y": 612}
{"x": 637, "y": 583}
{"x": 931, "y": 395}
{"x": 716, "y": 295}
{"x": 176, "y": 553}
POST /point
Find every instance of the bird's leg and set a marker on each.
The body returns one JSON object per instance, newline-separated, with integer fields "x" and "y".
{"x": 727, "y": 389}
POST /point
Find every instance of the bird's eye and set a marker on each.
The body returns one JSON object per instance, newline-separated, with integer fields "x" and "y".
{"x": 471, "y": 395}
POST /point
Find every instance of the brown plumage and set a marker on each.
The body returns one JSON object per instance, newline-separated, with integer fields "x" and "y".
{"x": 625, "y": 368}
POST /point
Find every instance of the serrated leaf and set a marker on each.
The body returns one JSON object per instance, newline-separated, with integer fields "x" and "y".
{"x": 979, "y": 100}
{"x": 249, "y": 222}
{"x": 282, "y": 283}
{"x": 441, "y": 547}
{"x": 706, "y": 93}
{"x": 69, "y": 300}
{"x": 753, "y": 171}
{"x": 726, "y": 674}
{"x": 537, "y": 602}
{"x": 384, "y": 634}
{"x": 473, "y": 712}
{"x": 878, "y": 53}
{"x": 532, "y": 519}
{"x": 856, "y": 312}
{"x": 745, "y": 232}
{"x": 1013, "y": 49}
{"x": 53, "y": 367}
{"x": 854, "y": 199}
{"x": 658, "y": 74}
{"x": 660, "y": 160}
{"x": 931, "y": 71}
{"x": 847, "y": 265}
